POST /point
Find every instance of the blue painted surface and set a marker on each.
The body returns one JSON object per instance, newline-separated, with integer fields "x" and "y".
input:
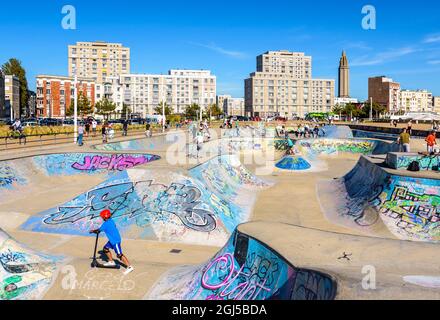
{"x": 293, "y": 163}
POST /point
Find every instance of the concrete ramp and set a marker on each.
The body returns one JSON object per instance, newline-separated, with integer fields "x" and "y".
{"x": 24, "y": 273}
{"x": 201, "y": 208}
{"x": 245, "y": 269}
{"x": 372, "y": 200}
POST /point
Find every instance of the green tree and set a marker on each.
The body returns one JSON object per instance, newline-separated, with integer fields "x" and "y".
{"x": 159, "y": 109}
{"x": 192, "y": 111}
{"x": 105, "y": 107}
{"x": 14, "y": 67}
{"x": 378, "y": 109}
{"x": 85, "y": 108}
{"x": 214, "y": 111}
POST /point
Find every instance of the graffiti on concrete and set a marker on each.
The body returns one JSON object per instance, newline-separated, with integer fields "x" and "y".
{"x": 333, "y": 146}
{"x": 246, "y": 269}
{"x": 9, "y": 177}
{"x": 293, "y": 163}
{"x": 74, "y": 163}
{"x": 24, "y": 274}
{"x": 112, "y": 162}
{"x": 425, "y": 162}
{"x": 410, "y": 208}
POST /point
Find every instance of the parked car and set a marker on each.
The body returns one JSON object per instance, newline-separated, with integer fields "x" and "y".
{"x": 30, "y": 124}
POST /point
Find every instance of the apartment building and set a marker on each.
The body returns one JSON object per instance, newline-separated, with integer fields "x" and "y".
{"x": 386, "y": 92}
{"x": 178, "y": 89}
{"x": 436, "y": 104}
{"x": 112, "y": 90}
{"x": 2, "y": 96}
{"x": 98, "y": 60}
{"x": 416, "y": 101}
{"x": 55, "y": 93}
{"x": 221, "y": 99}
{"x": 12, "y": 97}
{"x": 234, "y": 106}
{"x": 285, "y": 87}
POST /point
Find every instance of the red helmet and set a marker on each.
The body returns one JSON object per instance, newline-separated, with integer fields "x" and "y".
{"x": 105, "y": 214}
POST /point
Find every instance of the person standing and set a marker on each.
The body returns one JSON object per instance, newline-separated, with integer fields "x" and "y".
{"x": 104, "y": 133}
{"x": 94, "y": 125}
{"x": 405, "y": 141}
{"x": 80, "y": 135}
{"x": 431, "y": 142}
{"x": 87, "y": 128}
{"x": 409, "y": 128}
{"x": 148, "y": 130}
{"x": 125, "y": 128}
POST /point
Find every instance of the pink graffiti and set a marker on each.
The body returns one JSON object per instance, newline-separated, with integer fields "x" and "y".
{"x": 115, "y": 162}
{"x": 225, "y": 266}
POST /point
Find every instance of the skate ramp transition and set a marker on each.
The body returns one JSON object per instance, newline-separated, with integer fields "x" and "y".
{"x": 203, "y": 207}
{"x": 19, "y": 172}
{"x": 245, "y": 269}
{"x": 372, "y": 200}
{"x": 24, "y": 273}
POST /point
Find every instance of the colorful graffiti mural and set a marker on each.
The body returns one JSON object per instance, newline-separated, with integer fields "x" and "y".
{"x": 24, "y": 273}
{"x": 333, "y": 146}
{"x": 245, "y": 269}
{"x": 293, "y": 163}
{"x": 368, "y": 197}
{"x": 153, "y": 205}
{"x": 401, "y": 161}
{"x": 75, "y": 163}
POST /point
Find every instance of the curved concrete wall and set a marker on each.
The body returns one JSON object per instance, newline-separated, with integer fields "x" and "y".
{"x": 245, "y": 269}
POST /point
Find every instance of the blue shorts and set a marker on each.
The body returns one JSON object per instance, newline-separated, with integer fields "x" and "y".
{"x": 117, "y": 248}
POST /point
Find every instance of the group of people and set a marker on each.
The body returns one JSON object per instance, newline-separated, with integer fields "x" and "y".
{"x": 107, "y": 130}
{"x": 405, "y": 141}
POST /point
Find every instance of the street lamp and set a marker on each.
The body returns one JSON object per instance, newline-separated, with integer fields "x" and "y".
{"x": 75, "y": 109}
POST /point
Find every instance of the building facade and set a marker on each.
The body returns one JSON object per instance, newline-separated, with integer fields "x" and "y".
{"x": 221, "y": 99}
{"x": 436, "y": 104}
{"x": 2, "y": 96}
{"x": 55, "y": 93}
{"x": 12, "y": 97}
{"x": 344, "y": 101}
{"x": 178, "y": 89}
{"x": 344, "y": 77}
{"x": 112, "y": 90}
{"x": 386, "y": 92}
{"x": 98, "y": 60}
{"x": 31, "y": 106}
{"x": 234, "y": 106}
{"x": 285, "y": 87}
{"x": 416, "y": 101}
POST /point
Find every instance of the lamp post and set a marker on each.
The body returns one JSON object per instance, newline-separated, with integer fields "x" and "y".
{"x": 75, "y": 110}
{"x": 371, "y": 108}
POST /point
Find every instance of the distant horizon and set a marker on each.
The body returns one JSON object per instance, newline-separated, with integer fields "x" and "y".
{"x": 405, "y": 46}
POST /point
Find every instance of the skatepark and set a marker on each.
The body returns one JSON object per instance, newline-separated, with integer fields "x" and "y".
{"x": 342, "y": 218}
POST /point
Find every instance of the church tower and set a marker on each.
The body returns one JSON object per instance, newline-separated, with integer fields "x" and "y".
{"x": 344, "y": 77}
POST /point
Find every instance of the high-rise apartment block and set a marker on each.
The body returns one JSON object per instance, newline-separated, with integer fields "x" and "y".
{"x": 98, "y": 60}
{"x": 436, "y": 104}
{"x": 55, "y": 94}
{"x": 386, "y": 92}
{"x": 12, "y": 97}
{"x": 283, "y": 86}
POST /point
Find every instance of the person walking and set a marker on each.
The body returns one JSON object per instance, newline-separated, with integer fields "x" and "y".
{"x": 409, "y": 128}
{"x": 148, "y": 130}
{"x": 125, "y": 128}
{"x": 405, "y": 141}
{"x": 431, "y": 142}
{"x": 87, "y": 128}
{"x": 104, "y": 133}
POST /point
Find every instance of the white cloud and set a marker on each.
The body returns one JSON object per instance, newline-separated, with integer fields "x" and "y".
{"x": 432, "y": 38}
{"x": 434, "y": 62}
{"x": 230, "y": 53}
{"x": 382, "y": 57}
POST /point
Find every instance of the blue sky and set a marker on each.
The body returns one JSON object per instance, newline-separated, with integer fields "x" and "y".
{"x": 226, "y": 36}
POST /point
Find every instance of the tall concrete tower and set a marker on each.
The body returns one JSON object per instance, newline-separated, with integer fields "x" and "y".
{"x": 344, "y": 77}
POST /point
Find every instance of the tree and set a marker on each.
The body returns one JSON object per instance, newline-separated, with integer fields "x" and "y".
{"x": 126, "y": 110}
{"x": 192, "y": 111}
{"x": 377, "y": 109}
{"x": 214, "y": 111}
{"x": 14, "y": 67}
{"x": 85, "y": 108}
{"x": 159, "y": 109}
{"x": 105, "y": 107}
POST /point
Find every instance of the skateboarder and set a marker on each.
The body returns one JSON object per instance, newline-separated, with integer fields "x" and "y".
{"x": 114, "y": 241}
